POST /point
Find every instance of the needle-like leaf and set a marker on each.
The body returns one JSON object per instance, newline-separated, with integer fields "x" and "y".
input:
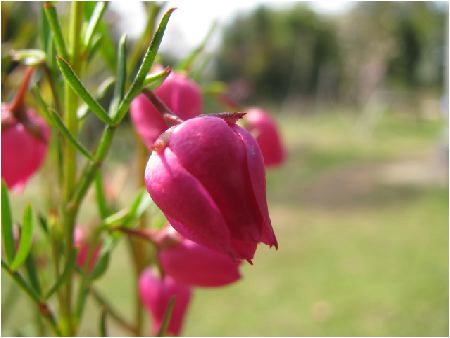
{"x": 26, "y": 239}
{"x": 7, "y": 225}
{"x": 78, "y": 87}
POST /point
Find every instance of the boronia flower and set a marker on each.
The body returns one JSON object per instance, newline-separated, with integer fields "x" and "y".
{"x": 81, "y": 242}
{"x": 181, "y": 95}
{"x": 156, "y": 293}
{"x": 23, "y": 146}
{"x": 265, "y": 130}
{"x": 207, "y": 176}
{"x": 196, "y": 265}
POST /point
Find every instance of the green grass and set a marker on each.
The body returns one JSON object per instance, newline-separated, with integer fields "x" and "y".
{"x": 359, "y": 254}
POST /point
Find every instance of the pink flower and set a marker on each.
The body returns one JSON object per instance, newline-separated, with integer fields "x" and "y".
{"x": 265, "y": 130}
{"x": 155, "y": 295}
{"x": 196, "y": 265}
{"x": 22, "y": 152}
{"x": 82, "y": 244}
{"x": 207, "y": 176}
{"x": 179, "y": 93}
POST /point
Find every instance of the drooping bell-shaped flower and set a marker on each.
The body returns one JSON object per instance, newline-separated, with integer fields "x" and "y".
{"x": 180, "y": 94}
{"x": 156, "y": 293}
{"x": 196, "y": 265}
{"x": 23, "y": 146}
{"x": 264, "y": 128}
{"x": 207, "y": 176}
{"x": 81, "y": 242}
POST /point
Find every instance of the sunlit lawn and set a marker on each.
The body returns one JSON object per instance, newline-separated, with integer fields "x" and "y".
{"x": 361, "y": 216}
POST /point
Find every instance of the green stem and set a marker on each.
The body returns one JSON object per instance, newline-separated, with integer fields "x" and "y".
{"x": 90, "y": 171}
{"x": 71, "y": 122}
{"x": 53, "y": 89}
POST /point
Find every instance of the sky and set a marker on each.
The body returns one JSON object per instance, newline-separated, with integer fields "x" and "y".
{"x": 191, "y": 21}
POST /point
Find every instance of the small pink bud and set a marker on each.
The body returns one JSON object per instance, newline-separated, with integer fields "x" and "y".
{"x": 22, "y": 151}
{"x": 266, "y": 132}
{"x": 196, "y": 265}
{"x": 155, "y": 295}
{"x": 179, "y": 93}
{"x": 209, "y": 181}
{"x": 82, "y": 244}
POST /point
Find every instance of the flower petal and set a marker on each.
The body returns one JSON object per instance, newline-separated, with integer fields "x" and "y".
{"x": 185, "y": 202}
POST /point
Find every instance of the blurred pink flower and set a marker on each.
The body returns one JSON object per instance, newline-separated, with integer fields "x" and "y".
{"x": 155, "y": 295}
{"x": 22, "y": 152}
{"x": 179, "y": 93}
{"x": 196, "y": 265}
{"x": 81, "y": 242}
{"x": 207, "y": 176}
{"x": 265, "y": 130}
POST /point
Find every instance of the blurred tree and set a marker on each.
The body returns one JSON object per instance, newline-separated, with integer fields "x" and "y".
{"x": 279, "y": 53}
{"x": 283, "y": 54}
{"x": 421, "y": 39}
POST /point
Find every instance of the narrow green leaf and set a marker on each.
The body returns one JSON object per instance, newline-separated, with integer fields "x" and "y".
{"x": 146, "y": 64}
{"x": 58, "y": 123}
{"x": 99, "y": 10}
{"x": 26, "y": 239}
{"x": 43, "y": 223}
{"x": 20, "y": 282}
{"x": 126, "y": 216}
{"x": 101, "y": 92}
{"x": 137, "y": 208}
{"x": 116, "y": 218}
{"x": 102, "y": 204}
{"x": 50, "y": 53}
{"x": 30, "y": 267}
{"x": 83, "y": 292}
{"x": 70, "y": 264}
{"x": 63, "y": 129}
{"x": 95, "y": 45}
{"x": 186, "y": 64}
{"x": 7, "y": 225}
{"x": 78, "y": 87}
{"x": 102, "y": 324}
{"x": 103, "y": 260}
{"x": 166, "y": 318}
{"x": 30, "y": 57}
{"x": 55, "y": 28}
{"x": 119, "y": 89}
{"x": 44, "y": 32}
{"x": 153, "y": 81}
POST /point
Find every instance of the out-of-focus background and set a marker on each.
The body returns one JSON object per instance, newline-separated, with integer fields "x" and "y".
{"x": 360, "y": 208}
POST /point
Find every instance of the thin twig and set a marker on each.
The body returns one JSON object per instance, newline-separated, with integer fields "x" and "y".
{"x": 114, "y": 314}
{"x": 169, "y": 117}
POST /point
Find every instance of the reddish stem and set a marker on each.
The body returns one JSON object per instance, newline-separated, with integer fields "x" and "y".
{"x": 16, "y": 106}
{"x": 169, "y": 117}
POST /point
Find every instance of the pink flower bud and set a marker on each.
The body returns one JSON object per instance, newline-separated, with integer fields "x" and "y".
{"x": 155, "y": 295}
{"x": 22, "y": 152}
{"x": 266, "y": 132}
{"x": 179, "y": 93}
{"x": 208, "y": 179}
{"x": 81, "y": 242}
{"x": 193, "y": 264}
